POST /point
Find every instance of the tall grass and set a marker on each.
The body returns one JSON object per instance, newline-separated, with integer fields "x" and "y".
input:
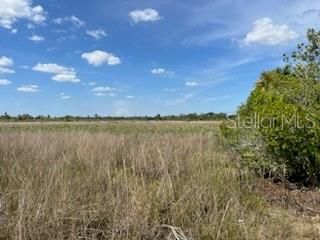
{"x": 101, "y": 185}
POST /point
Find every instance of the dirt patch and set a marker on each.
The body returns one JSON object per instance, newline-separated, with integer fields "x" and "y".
{"x": 298, "y": 206}
{"x": 286, "y": 195}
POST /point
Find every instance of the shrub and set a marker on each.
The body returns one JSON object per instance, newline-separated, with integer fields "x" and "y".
{"x": 289, "y": 128}
{"x": 285, "y": 108}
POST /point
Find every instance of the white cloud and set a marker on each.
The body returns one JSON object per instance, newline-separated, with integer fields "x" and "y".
{"x": 4, "y": 82}
{"x": 66, "y": 77}
{"x": 130, "y": 97}
{"x": 62, "y": 74}
{"x": 266, "y": 32}
{"x": 97, "y": 58}
{"x": 50, "y": 68}
{"x": 70, "y": 19}
{"x": 5, "y": 64}
{"x": 97, "y": 34}
{"x": 13, "y": 10}
{"x": 92, "y": 83}
{"x": 28, "y": 88}
{"x": 5, "y": 61}
{"x": 191, "y": 84}
{"x": 103, "y": 89}
{"x": 36, "y": 38}
{"x": 101, "y": 94}
{"x": 6, "y": 70}
{"x": 14, "y": 31}
{"x": 63, "y": 96}
{"x": 146, "y": 15}
{"x": 160, "y": 71}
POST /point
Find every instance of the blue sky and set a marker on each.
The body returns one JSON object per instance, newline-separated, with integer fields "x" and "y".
{"x": 142, "y": 57}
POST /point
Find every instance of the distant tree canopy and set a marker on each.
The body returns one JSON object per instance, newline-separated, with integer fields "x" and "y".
{"x": 182, "y": 117}
{"x": 288, "y": 99}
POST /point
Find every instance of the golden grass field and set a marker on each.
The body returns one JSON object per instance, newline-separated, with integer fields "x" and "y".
{"x": 130, "y": 180}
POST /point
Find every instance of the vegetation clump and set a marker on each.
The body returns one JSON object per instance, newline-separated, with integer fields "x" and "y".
{"x": 279, "y": 131}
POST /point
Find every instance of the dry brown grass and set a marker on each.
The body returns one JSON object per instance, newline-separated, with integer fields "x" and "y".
{"x": 101, "y": 185}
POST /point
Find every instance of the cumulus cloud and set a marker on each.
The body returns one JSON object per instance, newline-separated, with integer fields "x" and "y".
{"x": 13, "y": 10}
{"x": 146, "y": 15}
{"x": 99, "y": 94}
{"x": 102, "y": 94}
{"x": 160, "y": 71}
{"x": 97, "y": 34}
{"x": 66, "y": 77}
{"x": 6, "y": 61}
{"x": 98, "y": 58}
{"x": 61, "y": 73}
{"x": 266, "y": 32}
{"x": 191, "y": 84}
{"x": 4, "y": 82}
{"x": 75, "y": 21}
{"x": 50, "y": 68}
{"x": 103, "y": 89}
{"x": 5, "y": 64}
{"x": 28, "y": 88}
{"x": 36, "y": 38}
{"x": 6, "y": 70}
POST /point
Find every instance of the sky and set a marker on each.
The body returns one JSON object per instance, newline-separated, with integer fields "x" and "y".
{"x": 143, "y": 57}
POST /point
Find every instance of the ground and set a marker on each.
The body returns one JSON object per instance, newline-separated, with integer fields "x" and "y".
{"x": 140, "y": 180}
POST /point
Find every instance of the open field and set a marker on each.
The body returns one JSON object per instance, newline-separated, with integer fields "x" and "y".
{"x": 131, "y": 180}
{"x": 114, "y": 127}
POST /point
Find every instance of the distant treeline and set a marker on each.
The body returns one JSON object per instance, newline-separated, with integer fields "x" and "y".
{"x": 182, "y": 117}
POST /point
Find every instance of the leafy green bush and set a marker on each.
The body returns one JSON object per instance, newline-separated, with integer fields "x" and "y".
{"x": 285, "y": 110}
{"x": 289, "y": 128}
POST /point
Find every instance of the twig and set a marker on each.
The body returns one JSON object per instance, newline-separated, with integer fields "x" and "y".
{"x": 305, "y": 207}
{"x": 177, "y": 232}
